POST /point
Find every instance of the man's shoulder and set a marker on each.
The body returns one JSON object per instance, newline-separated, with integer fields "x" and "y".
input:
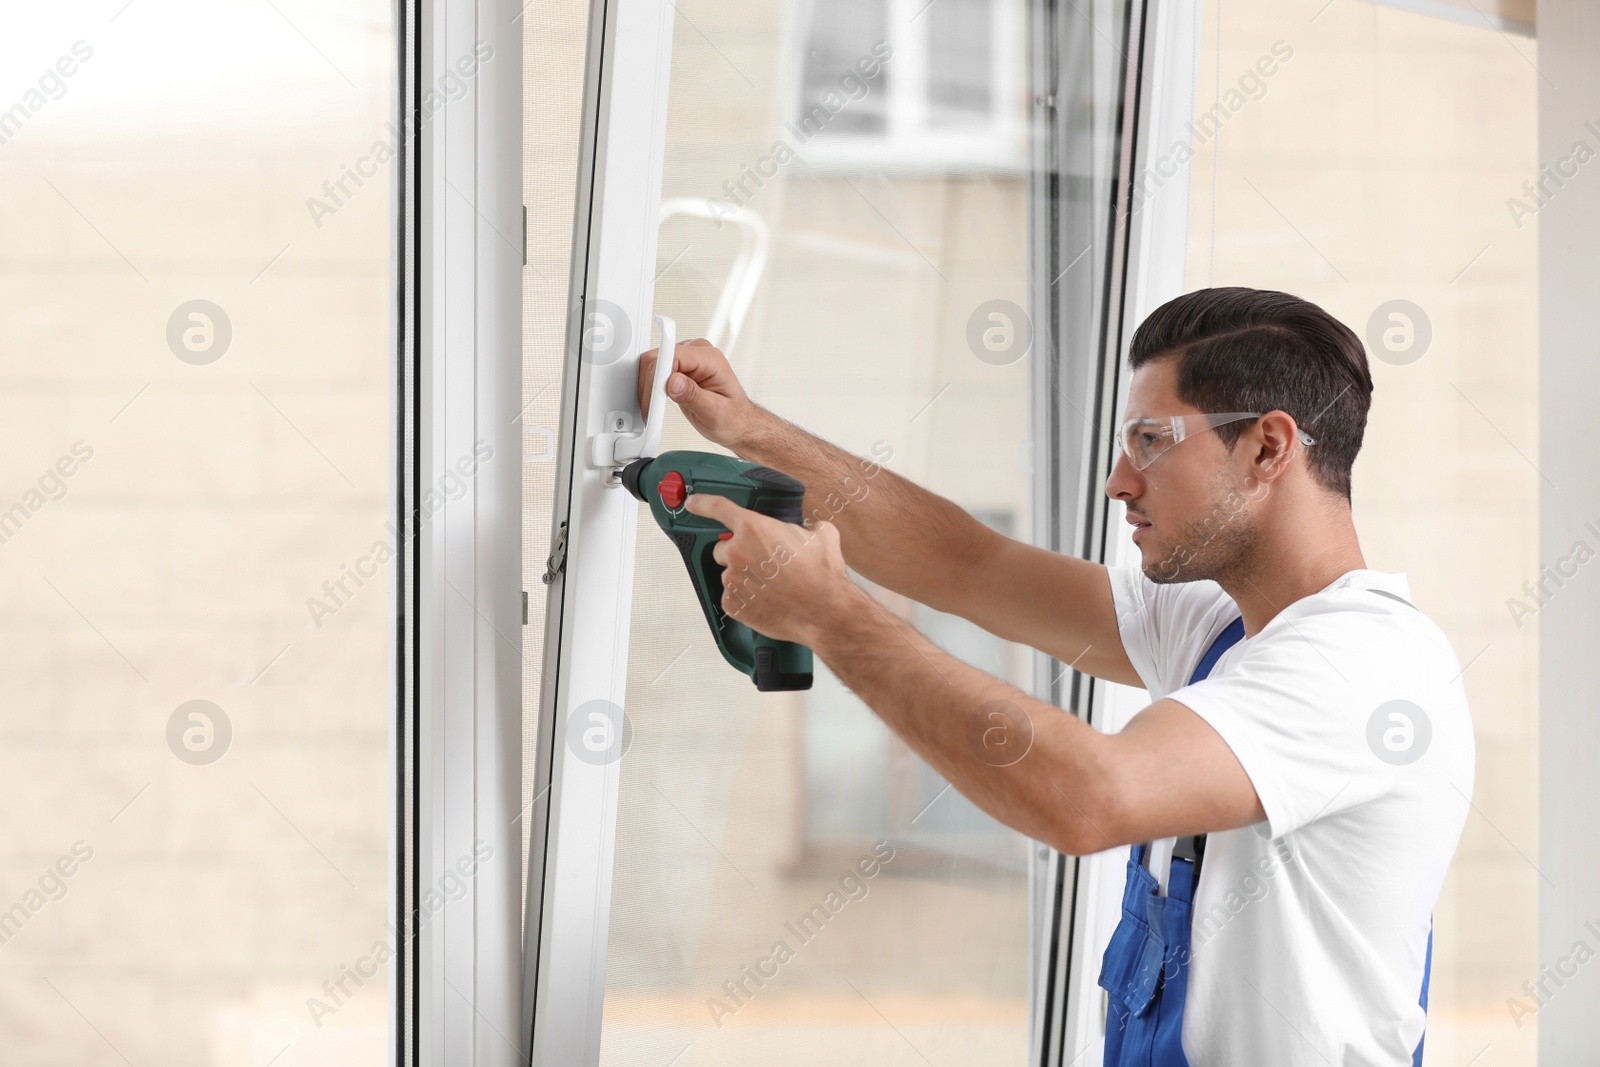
{"x": 1366, "y": 649}
{"x": 1370, "y": 614}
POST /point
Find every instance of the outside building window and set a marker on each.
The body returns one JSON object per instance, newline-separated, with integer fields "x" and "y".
{"x": 909, "y": 85}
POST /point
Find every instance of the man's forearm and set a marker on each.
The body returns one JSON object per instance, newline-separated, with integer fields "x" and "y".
{"x": 891, "y": 530}
{"x": 1028, "y": 764}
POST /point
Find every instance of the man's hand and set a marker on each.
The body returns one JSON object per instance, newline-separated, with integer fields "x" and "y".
{"x": 781, "y": 579}
{"x": 706, "y": 390}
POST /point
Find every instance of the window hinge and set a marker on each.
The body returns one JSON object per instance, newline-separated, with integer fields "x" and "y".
{"x": 524, "y": 607}
{"x": 524, "y": 235}
{"x": 558, "y": 556}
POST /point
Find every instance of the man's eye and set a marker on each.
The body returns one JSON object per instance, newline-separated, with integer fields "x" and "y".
{"x": 1148, "y": 439}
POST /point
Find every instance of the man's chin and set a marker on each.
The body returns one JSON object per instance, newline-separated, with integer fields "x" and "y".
{"x": 1161, "y": 565}
{"x": 1165, "y": 574}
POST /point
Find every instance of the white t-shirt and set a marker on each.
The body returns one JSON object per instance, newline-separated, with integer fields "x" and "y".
{"x": 1310, "y": 928}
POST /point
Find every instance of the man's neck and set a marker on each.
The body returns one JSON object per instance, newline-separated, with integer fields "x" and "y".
{"x": 1293, "y": 568}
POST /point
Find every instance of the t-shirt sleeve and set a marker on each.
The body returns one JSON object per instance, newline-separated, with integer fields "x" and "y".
{"x": 1294, "y": 709}
{"x": 1165, "y": 627}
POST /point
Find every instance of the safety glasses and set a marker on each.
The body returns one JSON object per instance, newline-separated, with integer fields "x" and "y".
{"x": 1143, "y": 440}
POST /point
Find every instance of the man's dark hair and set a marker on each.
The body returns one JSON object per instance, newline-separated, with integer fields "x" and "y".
{"x": 1242, "y": 349}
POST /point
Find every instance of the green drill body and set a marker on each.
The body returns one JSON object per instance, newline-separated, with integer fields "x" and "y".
{"x": 664, "y": 483}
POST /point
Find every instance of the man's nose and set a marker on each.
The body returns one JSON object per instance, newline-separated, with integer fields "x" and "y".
{"x": 1124, "y": 482}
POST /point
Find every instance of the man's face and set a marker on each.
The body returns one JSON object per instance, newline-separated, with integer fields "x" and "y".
{"x": 1191, "y": 506}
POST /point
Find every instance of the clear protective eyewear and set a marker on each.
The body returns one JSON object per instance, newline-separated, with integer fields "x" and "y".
{"x": 1143, "y": 440}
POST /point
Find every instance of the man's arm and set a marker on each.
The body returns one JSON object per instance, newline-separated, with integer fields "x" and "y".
{"x": 926, "y": 547}
{"x": 1040, "y": 771}
{"x": 904, "y": 537}
{"x": 1030, "y": 765}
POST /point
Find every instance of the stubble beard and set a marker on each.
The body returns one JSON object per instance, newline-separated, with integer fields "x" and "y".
{"x": 1216, "y": 547}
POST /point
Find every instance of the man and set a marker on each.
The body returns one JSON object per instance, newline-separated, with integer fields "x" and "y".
{"x": 1327, "y": 755}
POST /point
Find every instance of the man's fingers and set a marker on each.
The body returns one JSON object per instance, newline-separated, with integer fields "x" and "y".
{"x": 682, "y": 363}
{"x": 717, "y": 507}
{"x": 647, "y": 378}
{"x": 682, "y": 388}
{"x": 694, "y": 359}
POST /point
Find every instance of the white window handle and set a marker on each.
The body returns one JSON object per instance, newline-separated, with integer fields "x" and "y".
{"x": 621, "y": 442}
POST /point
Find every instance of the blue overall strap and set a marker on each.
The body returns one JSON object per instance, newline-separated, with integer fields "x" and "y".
{"x": 1194, "y": 846}
{"x": 1231, "y": 635}
{"x": 1427, "y": 969}
{"x": 1145, "y": 969}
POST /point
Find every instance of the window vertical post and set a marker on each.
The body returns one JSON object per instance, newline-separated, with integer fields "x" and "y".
{"x": 574, "y": 814}
{"x": 1147, "y": 270}
{"x": 463, "y": 532}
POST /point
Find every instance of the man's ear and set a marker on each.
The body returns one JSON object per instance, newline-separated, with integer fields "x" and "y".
{"x": 1276, "y": 440}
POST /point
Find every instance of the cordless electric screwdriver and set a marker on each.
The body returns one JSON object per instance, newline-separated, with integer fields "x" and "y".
{"x": 665, "y": 482}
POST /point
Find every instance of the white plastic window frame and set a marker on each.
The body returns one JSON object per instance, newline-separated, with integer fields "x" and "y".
{"x": 455, "y": 920}
{"x": 574, "y": 815}
{"x": 1149, "y": 259}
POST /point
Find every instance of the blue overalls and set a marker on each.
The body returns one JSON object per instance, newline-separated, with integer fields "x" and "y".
{"x": 1145, "y": 970}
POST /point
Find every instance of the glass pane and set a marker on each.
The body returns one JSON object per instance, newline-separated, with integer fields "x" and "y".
{"x": 1370, "y": 172}
{"x": 555, "y": 38}
{"x": 745, "y": 818}
{"x": 194, "y": 590}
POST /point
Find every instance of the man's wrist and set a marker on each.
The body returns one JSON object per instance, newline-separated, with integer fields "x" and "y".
{"x": 755, "y": 430}
{"x": 839, "y": 620}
